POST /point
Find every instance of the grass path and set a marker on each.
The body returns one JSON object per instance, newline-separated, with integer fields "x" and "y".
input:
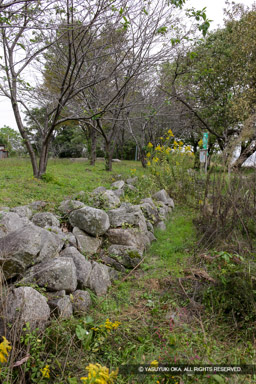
{"x": 157, "y": 320}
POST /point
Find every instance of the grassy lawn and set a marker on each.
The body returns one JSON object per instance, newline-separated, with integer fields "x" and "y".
{"x": 64, "y": 178}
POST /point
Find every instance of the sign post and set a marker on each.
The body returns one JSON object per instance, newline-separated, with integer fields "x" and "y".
{"x": 204, "y": 151}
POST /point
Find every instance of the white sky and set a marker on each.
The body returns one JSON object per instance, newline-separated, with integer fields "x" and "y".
{"x": 214, "y": 12}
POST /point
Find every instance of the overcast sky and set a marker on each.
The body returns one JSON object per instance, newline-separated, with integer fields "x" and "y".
{"x": 214, "y": 12}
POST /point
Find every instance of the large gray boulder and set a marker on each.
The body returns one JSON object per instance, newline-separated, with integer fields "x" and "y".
{"x": 118, "y": 192}
{"x": 132, "y": 180}
{"x": 43, "y": 219}
{"x": 91, "y": 220}
{"x": 81, "y": 302}
{"x": 61, "y": 306}
{"x": 128, "y": 256}
{"x": 37, "y": 205}
{"x": 150, "y": 226}
{"x": 111, "y": 262}
{"x": 25, "y": 247}
{"x": 118, "y": 184}
{"x": 161, "y": 226}
{"x": 98, "y": 190}
{"x": 83, "y": 266}
{"x": 151, "y": 237}
{"x": 149, "y": 210}
{"x": 110, "y": 199}
{"x": 163, "y": 211}
{"x": 25, "y": 304}
{"x": 164, "y": 197}
{"x": 10, "y": 222}
{"x": 131, "y": 237}
{"x": 68, "y": 206}
{"x": 68, "y": 237}
{"x": 127, "y": 215}
{"x": 99, "y": 280}
{"x": 55, "y": 275}
{"x": 23, "y": 211}
{"x": 86, "y": 244}
{"x": 104, "y": 198}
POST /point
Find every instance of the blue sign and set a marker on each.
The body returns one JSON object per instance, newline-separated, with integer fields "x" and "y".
{"x": 205, "y": 140}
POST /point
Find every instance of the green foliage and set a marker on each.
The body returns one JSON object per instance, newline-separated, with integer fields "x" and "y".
{"x": 48, "y": 178}
{"x": 169, "y": 163}
{"x": 36, "y": 366}
{"x": 12, "y": 140}
{"x": 233, "y": 296}
{"x": 227, "y": 209}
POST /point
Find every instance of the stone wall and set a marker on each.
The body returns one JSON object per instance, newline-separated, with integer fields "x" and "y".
{"x": 65, "y": 263}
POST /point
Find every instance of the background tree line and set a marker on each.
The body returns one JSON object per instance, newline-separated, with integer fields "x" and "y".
{"x": 112, "y": 76}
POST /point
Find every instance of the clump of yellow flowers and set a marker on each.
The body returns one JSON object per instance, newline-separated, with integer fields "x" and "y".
{"x": 5, "y": 348}
{"x": 169, "y": 160}
{"x": 97, "y": 374}
{"x": 108, "y": 326}
{"x": 46, "y": 371}
{"x": 169, "y": 145}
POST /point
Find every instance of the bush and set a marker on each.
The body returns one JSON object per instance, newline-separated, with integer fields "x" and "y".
{"x": 228, "y": 213}
{"x": 171, "y": 163}
{"x": 233, "y": 295}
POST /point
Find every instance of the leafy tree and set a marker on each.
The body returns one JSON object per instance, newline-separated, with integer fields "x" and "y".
{"x": 215, "y": 82}
{"x": 12, "y": 140}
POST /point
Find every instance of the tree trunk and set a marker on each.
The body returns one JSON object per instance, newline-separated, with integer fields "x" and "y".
{"x": 43, "y": 159}
{"x": 93, "y": 146}
{"x": 244, "y": 155}
{"x": 108, "y": 157}
{"x": 143, "y": 158}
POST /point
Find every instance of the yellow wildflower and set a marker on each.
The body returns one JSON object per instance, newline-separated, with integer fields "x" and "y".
{"x": 175, "y": 143}
{"x": 148, "y": 163}
{"x": 168, "y": 149}
{"x": 148, "y": 154}
{"x": 95, "y": 329}
{"x": 154, "y": 363}
{"x": 170, "y": 133}
{"x": 109, "y": 325}
{"x": 150, "y": 145}
{"x": 158, "y": 148}
{"x": 99, "y": 374}
{"x": 5, "y": 347}
{"x": 155, "y": 159}
{"x": 46, "y": 371}
{"x": 181, "y": 143}
{"x": 161, "y": 138}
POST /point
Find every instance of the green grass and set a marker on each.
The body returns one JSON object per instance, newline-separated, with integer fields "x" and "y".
{"x": 64, "y": 178}
{"x": 175, "y": 244}
{"x": 143, "y": 303}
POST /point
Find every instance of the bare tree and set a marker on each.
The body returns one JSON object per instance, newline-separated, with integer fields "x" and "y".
{"x": 141, "y": 46}
{"x": 68, "y": 27}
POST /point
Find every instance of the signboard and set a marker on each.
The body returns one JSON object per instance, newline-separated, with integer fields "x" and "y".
{"x": 203, "y": 155}
{"x": 205, "y": 140}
